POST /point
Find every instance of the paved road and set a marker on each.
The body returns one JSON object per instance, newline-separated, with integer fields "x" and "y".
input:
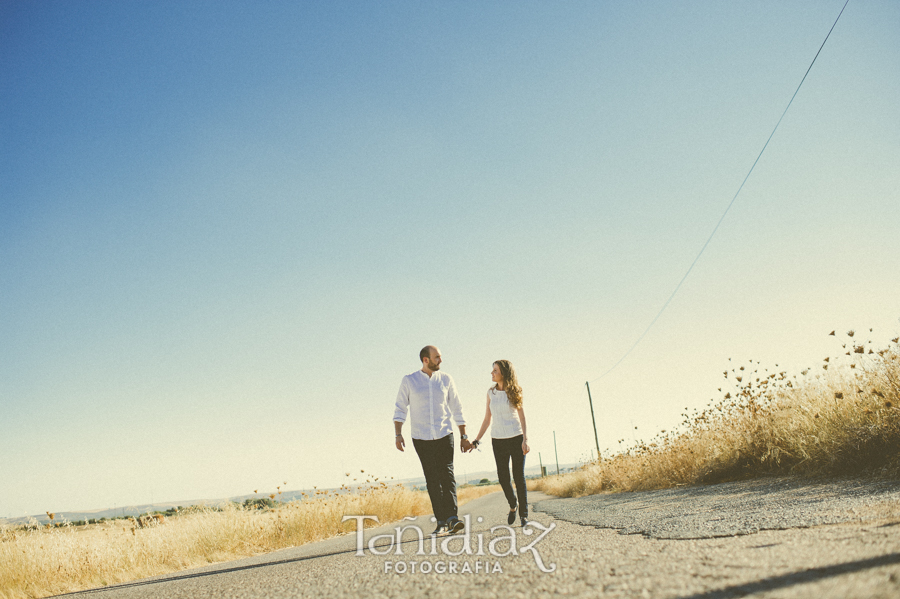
{"x": 814, "y": 540}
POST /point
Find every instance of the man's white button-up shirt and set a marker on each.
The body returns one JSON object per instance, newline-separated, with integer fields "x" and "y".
{"x": 431, "y": 401}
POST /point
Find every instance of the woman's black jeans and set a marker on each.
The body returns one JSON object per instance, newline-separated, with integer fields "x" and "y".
{"x": 504, "y": 449}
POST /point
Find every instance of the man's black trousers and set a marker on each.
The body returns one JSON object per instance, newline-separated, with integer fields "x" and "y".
{"x": 437, "y": 463}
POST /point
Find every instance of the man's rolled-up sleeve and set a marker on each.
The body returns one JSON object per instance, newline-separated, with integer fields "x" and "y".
{"x": 402, "y": 404}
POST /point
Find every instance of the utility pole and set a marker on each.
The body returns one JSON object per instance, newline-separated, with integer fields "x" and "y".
{"x": 557, "y": 454}
{"x": 541, "y": 462}
{"x": 591, "y": 401}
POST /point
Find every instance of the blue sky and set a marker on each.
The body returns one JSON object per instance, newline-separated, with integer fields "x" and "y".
{"x": 226, "y": 229}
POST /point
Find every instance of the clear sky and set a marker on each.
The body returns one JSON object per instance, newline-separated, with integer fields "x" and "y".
{"x": 226, "y": 229}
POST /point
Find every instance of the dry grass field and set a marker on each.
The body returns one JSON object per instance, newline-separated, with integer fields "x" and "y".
{"x": 48, "y": 561}
{"x": 838, "y": 418}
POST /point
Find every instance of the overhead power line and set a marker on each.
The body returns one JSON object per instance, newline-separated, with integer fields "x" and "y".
{"x": 724, "y": 214}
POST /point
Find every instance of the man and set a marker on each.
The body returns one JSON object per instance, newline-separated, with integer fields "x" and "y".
{"x": 430, "y": 397}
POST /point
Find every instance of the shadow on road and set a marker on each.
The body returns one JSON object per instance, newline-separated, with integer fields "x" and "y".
{"x": 801, "y": 577}
{"x": 293, "y": 560}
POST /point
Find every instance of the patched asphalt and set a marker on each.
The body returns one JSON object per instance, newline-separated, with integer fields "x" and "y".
{"x": 727, "y": 509}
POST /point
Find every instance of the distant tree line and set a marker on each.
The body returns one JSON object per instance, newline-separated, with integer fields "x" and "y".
{"x": 259, "y": 503}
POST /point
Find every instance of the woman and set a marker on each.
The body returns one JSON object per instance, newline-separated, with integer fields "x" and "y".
{"x": 509, "y": 435}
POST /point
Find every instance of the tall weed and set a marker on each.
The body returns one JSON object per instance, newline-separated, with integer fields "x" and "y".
{"x": 841, "y": 417}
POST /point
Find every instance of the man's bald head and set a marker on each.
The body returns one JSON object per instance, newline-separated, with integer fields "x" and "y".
{"x": 431, "y": 358}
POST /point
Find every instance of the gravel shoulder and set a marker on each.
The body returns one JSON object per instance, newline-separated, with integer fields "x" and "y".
{"x": 769, "y": 538}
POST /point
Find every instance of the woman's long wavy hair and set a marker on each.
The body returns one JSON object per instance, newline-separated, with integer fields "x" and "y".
{"x": 510, "y": 382}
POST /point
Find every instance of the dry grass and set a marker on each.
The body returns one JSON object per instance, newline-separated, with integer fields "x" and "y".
{"x": 47, "y": 561}
{"x": 839, "y": 418}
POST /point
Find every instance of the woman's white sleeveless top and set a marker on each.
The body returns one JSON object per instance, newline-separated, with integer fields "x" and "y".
{"x": 504, "y": 418}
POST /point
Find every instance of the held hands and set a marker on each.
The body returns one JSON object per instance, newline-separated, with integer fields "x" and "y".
{"x": 465, "y": 446}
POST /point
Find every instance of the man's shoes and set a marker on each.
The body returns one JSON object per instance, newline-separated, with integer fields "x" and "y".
{"x": 524, "y": 521}
{"x": 441, "y": 527}
{"x": 454, "y": 525}
{"x": 512, "y": 517}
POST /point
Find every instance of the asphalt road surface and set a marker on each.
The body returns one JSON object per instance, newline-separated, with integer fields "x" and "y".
{"x": 769, "y": 538}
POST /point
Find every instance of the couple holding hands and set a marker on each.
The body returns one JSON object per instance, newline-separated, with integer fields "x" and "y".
{"x": 430, "y": 398}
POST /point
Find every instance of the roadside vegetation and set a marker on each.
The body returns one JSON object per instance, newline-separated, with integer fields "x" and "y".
{"x": 840, "y": 417}
{"x": 37, "y": 560}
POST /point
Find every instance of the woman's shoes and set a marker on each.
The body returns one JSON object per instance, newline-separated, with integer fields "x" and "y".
{"x": 524, "y": 522}
{"x": 512, "y": 517}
